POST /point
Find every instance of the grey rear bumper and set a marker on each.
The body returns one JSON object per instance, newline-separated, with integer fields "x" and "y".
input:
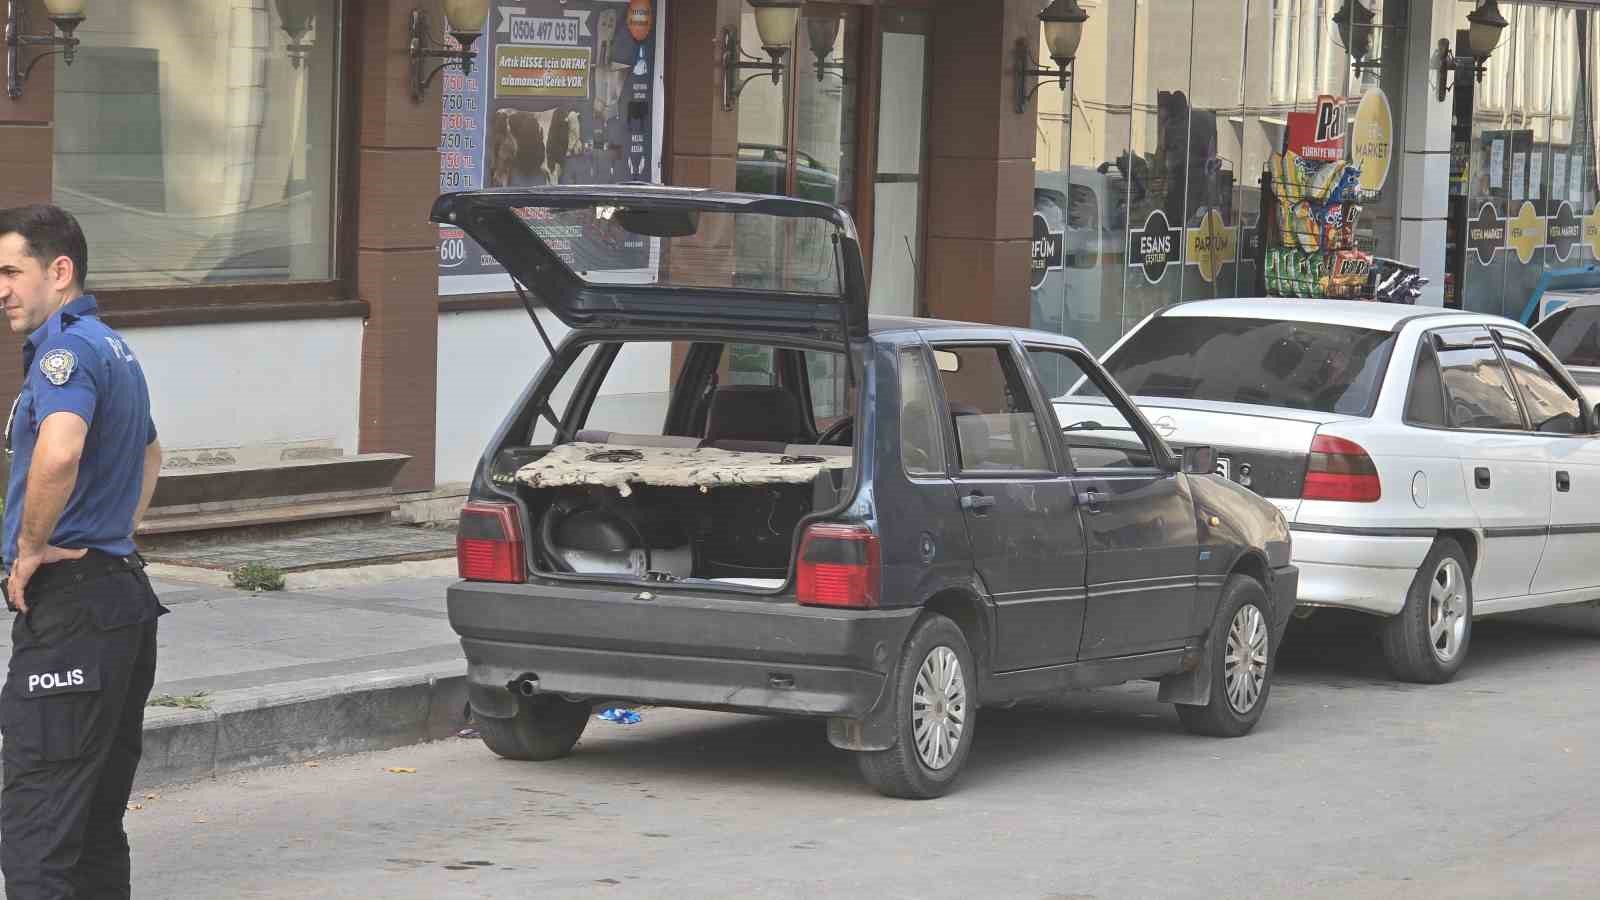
{"x": 679, "y": 648}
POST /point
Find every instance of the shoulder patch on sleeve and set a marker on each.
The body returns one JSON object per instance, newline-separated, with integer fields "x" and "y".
{"x": 58, "y": 366}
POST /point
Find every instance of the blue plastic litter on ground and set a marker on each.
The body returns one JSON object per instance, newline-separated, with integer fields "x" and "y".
{"x": 619, "y": 716}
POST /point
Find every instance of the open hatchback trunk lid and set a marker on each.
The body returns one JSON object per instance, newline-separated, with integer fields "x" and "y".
{"x": 655, "y": 256}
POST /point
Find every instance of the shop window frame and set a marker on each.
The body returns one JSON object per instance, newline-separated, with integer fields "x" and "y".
{"x": 274, "y": 301}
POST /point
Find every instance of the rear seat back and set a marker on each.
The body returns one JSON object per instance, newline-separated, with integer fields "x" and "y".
{"x": 590, "y": 436}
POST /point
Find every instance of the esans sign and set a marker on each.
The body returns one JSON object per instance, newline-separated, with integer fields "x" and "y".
{"x": 1047, "y": 250}
{"x": 1154, "y": 246}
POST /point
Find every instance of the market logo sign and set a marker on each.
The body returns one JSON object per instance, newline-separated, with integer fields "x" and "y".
{"x": 1154, "y": 246}
{"x": 1566, "y": 231}
{"x": 1486, "y": 233}
{"x": 1372, "y": 140}
{"x": 1526, "y": 232}
{"x": 1591, "y": 232}
{"x": 1213, "y": 245}
{"x": 1047, "y": 250}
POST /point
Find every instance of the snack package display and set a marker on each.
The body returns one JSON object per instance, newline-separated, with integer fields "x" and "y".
{"x": 1349, "y": 271}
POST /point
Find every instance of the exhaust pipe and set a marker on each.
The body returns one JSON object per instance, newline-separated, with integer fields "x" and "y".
{"x": 526, "y": 685}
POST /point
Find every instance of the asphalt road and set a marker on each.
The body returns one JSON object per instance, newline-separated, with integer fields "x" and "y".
{"x": 1352, "y": 786}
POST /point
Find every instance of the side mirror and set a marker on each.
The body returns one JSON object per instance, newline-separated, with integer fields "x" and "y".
{"x": 1199, "y": 459}
{"x": 1594, "y": 418}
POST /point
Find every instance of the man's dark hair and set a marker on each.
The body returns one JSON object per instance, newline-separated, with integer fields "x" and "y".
{"x": 50, "y": 232}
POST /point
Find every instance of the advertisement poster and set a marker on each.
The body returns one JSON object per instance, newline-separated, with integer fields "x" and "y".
{"x": 1536, "y": 176}
{"x": 1497, "y": 163}
{"x": 1319, "y": 135}
{"x": 1558, "y": 176}
{"x": 561, "y": 92}
{"x": 1519, "y": 172}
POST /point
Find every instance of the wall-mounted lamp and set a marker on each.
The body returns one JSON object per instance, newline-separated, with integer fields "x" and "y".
{"x": 464, "y": 19}
{"x": 775, "y": 22}
{"x": 822, "y": 32}
{"x": 1354, "y": 23}
{"x": 65, "y": 15}
{"x": 1482, "y": 38}
{"x": 1063, "y": 30}
{"x": 296, "y": 17}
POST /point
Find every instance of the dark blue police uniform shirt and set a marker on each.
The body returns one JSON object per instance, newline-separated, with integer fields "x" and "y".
{"x": 103, "y": 385}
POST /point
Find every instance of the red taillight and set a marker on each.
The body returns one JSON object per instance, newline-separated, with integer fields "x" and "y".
{"x": 489, "y": 544}
{"x": 838, "y": 567}
{"x": 1340, "y": 470}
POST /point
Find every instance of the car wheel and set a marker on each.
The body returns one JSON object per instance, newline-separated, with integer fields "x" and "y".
{"x": 1427, "y": 642}
{"x": 934, "y": 695}
{"x": 1241, "y": 656}
{"x": 543, "y": 728}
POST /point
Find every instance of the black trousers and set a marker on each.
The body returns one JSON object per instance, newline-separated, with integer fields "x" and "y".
{"x": 72, "y": 714}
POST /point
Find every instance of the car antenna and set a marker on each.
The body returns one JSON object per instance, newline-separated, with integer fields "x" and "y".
{"x": 534, "y": 315}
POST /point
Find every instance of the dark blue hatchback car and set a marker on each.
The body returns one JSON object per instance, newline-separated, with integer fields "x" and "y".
{"x": 731, "y": 488}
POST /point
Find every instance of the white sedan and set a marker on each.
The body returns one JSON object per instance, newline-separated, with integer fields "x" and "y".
{"x": 1434, "y": 465}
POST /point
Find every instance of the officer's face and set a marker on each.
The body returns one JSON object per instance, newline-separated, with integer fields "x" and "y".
{"x": 30, "y": 291}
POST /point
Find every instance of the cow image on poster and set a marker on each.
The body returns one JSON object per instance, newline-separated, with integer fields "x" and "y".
{"x": 527, "y": 144}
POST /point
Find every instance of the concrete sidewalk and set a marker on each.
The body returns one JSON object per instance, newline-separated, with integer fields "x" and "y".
{"x": 341, "y": 662}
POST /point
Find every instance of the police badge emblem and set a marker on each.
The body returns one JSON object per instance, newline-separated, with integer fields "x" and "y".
{"x": 57, "y": 366}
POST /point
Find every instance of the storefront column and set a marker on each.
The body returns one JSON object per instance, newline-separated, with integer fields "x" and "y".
{"x": 1425, "y": 159}
{"x": 396, "y": 267}
{"x": 27, "y": 143}
{"x": 980, "y": 183}
{"x": 703, "y": 139}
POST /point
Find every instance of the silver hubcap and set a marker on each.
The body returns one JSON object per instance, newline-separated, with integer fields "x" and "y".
{"x": 939, "y": 707}
{"x": 1447, "y": 610}
{"x": 1244, "y": 669}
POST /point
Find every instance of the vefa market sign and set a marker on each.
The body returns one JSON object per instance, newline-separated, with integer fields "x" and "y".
{"x": 1486, "y": 233}
{"x": 1048, "y": 255}
{"x": 1566, "y": 231}
{"x": 1154, "y": 246}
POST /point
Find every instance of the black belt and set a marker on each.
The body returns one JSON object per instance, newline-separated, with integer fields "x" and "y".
{"x": 94, "y": 564}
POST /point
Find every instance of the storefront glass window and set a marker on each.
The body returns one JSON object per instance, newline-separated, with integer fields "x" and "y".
{"x": 195, "y": 141}
{"x": 897, "y": 192}
{"x": 1149, "y": 167}
{"x": 1081, "y": 199}
{"x": 1529, "y": 179}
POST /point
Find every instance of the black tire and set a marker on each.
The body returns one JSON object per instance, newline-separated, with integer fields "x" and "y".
{"x": 543, "y": 728}
{"x": 1229, "y": 714}
{"x": 1417, "y": 647}
{"x": 901, "y": 770}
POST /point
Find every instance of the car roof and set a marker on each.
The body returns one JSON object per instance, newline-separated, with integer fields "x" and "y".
{"x": 1359, "y": 313}
{"x": 877, "y": 325}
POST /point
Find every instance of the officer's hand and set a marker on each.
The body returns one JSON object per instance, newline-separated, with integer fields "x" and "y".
{"x": 29, "y": 559}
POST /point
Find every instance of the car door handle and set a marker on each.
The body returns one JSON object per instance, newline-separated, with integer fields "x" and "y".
{"x": 978, "y": 504}
{"x": 1481, "y": 476}
{"x": 1092, "y": 500}
{"x": 1563, "y": 482}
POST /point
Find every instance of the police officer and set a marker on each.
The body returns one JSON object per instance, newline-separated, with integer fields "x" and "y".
{"x": 84, "y": 460}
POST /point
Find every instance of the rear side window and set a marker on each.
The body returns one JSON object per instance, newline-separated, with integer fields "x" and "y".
{"x": 1550, "y": 406}
{"x": 996, "y": 425}
{"x": 1478, "y": 392}
{"x": 1297, "y": 365}
{"x": 1573, "y": 335}
{"x": 633, "y": 396}
{"x": 921, "y": 448}
{"x": 1425, "y": 403}
{"x": 561, "y": 396}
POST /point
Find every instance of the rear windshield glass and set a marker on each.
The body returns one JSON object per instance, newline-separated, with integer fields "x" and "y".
{"x": 1298, "y": 365}
{"x": 753, "y": 251}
